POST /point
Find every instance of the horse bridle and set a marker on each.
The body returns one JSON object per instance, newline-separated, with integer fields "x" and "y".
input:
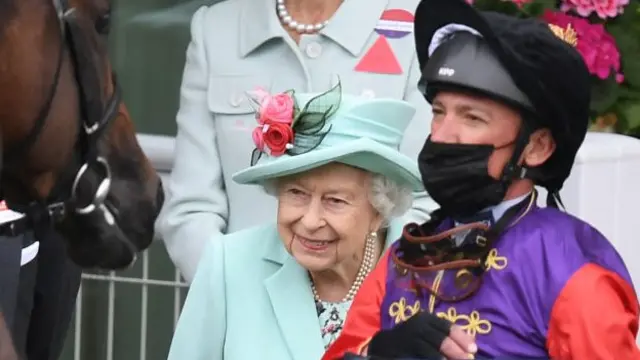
{"x": 95, "y": 117}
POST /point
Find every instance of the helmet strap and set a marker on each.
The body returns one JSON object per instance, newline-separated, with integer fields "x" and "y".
{"x": 512, "y": 170}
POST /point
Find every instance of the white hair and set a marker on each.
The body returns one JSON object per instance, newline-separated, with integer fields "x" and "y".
{"x": 388, "y": 197}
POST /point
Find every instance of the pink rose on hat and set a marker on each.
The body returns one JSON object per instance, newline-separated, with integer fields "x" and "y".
{"x": 273, "y": 108}
{"x": 278, "y": 137}
{"x": 275, "y": 113}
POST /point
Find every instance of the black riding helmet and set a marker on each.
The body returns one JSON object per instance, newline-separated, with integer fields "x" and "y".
{"x": 464, "y": 61}
{"x": 521, "y": 63}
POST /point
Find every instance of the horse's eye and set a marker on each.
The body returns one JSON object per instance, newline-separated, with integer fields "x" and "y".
{"x": 103, "y": 24}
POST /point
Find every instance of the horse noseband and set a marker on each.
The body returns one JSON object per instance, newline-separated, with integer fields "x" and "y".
{"x": 94, "y": 119}
{"x": 102, "y": 190}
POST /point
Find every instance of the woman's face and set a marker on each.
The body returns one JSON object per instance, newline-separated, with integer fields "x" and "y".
{"x": 324, "y": 216}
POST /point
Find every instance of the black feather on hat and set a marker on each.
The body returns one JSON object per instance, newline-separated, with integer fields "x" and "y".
{"x": 543, "y": 65}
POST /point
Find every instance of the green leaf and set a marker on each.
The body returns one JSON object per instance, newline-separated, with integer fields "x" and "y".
{"x": 629, "y": 19}
{"x": 537, "y": 8}
{"x": 604, "y": 94}
{"x": 312, "y": 118}
{"x": 630, "y": 111}
{"x": 255, "y": 156}
{"x": 627, "y": 93}
{"x": 631, "y": 70}
{"x": 626, "y": 31}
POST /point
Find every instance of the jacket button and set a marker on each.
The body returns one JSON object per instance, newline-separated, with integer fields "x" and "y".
{"x": 235, "y": 100}
{"x": 313, "y": 50}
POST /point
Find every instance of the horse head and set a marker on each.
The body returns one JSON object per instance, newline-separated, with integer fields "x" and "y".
{"x": 71, "y": 159}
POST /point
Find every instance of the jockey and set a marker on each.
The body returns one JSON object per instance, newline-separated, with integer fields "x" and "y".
{"x": 511, "y": 107}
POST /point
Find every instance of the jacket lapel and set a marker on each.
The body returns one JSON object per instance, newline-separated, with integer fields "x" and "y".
{"x": 292, "y": 301}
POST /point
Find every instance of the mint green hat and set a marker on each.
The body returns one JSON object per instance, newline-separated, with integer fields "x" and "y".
{"x": 330, "y": 127}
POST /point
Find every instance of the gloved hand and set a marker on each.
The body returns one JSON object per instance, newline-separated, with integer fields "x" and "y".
{"x": 423, "y": 336}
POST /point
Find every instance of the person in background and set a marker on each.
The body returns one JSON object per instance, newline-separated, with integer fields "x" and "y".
{"x": 238, "y": 45}
{"x": 511, "y": 102}
{"x": 37, "y": 307}
{"x": 282, "y": 290}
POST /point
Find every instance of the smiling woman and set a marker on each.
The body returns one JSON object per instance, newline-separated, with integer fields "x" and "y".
{"x": 332, "y": 162}
{"x": 329, "y": 219}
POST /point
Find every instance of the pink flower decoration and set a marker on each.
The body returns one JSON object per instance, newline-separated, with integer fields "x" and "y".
{"x": 273, "y": 108}
{"x": 604, "y": 8}
{"x": 597, "y": 47}
{"x": 278, "y": 137}
{"x": 274, "y": 133}
{"x": 258, "y": 137}
{"x": 277, "y": 108}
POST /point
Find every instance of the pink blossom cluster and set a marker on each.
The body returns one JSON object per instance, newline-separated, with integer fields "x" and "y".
{"x": 604, "y": 8}
{"x": 275, "y": 117}
{"x": 595, "y": 44}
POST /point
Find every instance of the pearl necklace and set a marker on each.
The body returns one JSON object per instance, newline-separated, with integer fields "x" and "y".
{"x": 286, "y": 19}
{"x": 368, "y": 263}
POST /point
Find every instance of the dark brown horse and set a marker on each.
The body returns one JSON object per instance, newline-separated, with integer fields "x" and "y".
{"x": 70, "y": 155}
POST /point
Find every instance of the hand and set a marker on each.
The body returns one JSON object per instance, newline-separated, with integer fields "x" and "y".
{"x": 7, "y": 351}
{"x": 423, "y": 336}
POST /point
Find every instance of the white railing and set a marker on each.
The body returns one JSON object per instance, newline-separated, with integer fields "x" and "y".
{"x": 112, "y": 279}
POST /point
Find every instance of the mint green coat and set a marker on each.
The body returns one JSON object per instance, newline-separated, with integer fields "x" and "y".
{"x": 251, "y": 300}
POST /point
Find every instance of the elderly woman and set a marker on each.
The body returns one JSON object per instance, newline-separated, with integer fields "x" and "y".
{"x": 282, "y": 291}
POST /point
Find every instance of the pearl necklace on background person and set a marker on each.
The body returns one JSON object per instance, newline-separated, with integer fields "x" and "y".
{"x": 286, "y": 19}
{"x": 368, "y": 263}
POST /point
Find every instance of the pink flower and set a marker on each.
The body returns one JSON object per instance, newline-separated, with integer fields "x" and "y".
{"x": 273, "y": 108}
{"x": 258, "y": 137}
{"x": 597, "y": 47}
{"x": 604, "y": 8}
{"x": 277, "y": 137}
{"x": 278, "y": 108}
{"x": 275, "y": 118}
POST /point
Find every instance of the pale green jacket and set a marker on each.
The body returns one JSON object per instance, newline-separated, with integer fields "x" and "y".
{"x": 251, "y": 300}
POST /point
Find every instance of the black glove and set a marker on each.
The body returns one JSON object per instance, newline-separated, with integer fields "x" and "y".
{"x": 419, "y": 337}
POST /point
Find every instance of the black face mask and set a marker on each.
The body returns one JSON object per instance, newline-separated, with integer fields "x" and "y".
{"x": 457, "y": 177}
